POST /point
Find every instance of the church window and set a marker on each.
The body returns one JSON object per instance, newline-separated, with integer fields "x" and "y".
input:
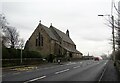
{"x": 39, "y": 40}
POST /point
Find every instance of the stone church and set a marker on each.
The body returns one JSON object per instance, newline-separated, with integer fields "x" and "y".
{"x": 50, "y": 40}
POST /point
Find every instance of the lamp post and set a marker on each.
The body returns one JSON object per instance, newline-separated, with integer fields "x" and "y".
{"x": 113, "y": 36}
{"x": 21, "y": 54}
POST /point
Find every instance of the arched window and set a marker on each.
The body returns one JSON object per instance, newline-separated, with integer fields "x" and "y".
{"x": 36, "y": 42}
{"x": 39, "y": 40}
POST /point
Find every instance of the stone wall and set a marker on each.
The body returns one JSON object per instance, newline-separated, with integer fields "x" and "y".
{"x": 46, "y": 48}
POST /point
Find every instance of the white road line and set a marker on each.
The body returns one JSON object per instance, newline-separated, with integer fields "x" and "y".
{"x": 105, "y": 63}
{"x": 71, "y": 63}
{"x": 80, "y": 62}
{"x": 76, "y": 67}
{"x": 67, "y": 64}
{"x": 62, "y": 71}
{"x": 35, "y": 79}
{"x": 102, "y": 75}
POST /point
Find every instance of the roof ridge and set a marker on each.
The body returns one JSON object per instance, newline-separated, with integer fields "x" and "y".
{"x": 58, "y": 29}
{"x": 48, "y": 31}
{"x": 63, "y": 35}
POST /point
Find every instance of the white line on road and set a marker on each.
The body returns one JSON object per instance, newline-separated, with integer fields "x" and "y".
{"x": 102, "y": 74}
{"x": 76, "y": 67}
{"x": 35, "y": 79}
{"x": 80, "y": 62}
{"x": 61, "y": 65}
{"x": 71, "y": 63}
{"x": 105, "y": 63}
{"x": 62, "y": 71}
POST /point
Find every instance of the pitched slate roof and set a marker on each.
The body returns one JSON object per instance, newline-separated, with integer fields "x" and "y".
{"x": 63, "y": 35}
{"x": 48, "y": 31}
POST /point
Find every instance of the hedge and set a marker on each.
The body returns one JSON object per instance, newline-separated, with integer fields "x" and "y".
{"x": 8, "y": 53}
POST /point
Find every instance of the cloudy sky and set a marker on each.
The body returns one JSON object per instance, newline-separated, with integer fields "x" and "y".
{"x": 80, "y": 17}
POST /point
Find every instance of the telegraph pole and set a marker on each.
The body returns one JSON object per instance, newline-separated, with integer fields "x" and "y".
{"x": 113, "y": 33}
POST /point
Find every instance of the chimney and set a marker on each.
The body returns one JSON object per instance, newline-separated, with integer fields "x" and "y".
{"x": 67, "y": 33}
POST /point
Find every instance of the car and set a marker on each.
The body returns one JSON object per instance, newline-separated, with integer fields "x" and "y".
{"x": 96, "y": 59}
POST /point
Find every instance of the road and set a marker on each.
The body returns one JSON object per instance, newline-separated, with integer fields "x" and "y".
{"x": 72, "y": 71}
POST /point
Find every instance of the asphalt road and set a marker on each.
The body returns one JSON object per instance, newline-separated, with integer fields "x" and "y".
{"x": 72, "y": 71}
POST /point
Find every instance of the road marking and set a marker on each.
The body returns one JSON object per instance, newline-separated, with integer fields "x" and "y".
{"x": 102, "y": 74}
{"x": 62, "y": 71}
{"x": 71, "y": 63}
{"x": 105, "y": 63}
{"x": 76, "y": 67}
{"x": 80, "y": 62}
{"x": 35, "y": 79}
{"x": 67, "y": 64}
{"x": 61, "y": 65}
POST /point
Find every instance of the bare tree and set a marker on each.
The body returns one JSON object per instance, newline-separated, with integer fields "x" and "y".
{"x": 117, "y": 26}
{"x": 11, "y": 37}
{"x": 21, "y": 43}
{"x": 3, "y": 26}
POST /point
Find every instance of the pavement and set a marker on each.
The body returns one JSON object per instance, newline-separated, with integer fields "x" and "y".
{"x": 110, "y": 74}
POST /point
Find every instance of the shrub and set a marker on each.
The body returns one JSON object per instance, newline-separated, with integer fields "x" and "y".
{"x": 31, "y": 54}
{"x": 5, "y": 53}
{"x": 10, "y": 53}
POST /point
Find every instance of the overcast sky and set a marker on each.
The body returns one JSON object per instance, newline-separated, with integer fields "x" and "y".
{"x": 87, "y": 30}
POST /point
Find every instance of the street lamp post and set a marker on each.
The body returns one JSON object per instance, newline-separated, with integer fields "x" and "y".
{"x": 21, "y": 54}
{"x": 113, "y": 36}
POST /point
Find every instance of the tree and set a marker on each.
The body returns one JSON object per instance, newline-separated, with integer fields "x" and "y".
{"x": 3, "y": 21}
{"x": 11, "y": 37}
{"x": 3, "y": 24}
{"x": 20, "y": 44}
{"x": 116, "y": 26}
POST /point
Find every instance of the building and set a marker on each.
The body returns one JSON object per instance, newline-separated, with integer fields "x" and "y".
{"x": 88, "y": 57}
{"x": 52, "y": 41}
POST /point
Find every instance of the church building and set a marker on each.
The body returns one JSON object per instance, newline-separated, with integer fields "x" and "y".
{"x": 50, "y": 40}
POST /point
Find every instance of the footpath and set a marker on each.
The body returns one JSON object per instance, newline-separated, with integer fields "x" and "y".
{"x": 111, "y": 74}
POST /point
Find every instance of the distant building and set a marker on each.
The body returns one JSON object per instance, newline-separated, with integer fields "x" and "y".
{"x": 52, "y": 41}
{"x": 88, "y": 57}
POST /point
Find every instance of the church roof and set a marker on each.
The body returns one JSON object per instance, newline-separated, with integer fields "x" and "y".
{"x": 48, "y": 31}
{"x": 63, "y": 35}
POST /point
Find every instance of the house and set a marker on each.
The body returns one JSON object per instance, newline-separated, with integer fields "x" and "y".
{"x": 52, "y": 41}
